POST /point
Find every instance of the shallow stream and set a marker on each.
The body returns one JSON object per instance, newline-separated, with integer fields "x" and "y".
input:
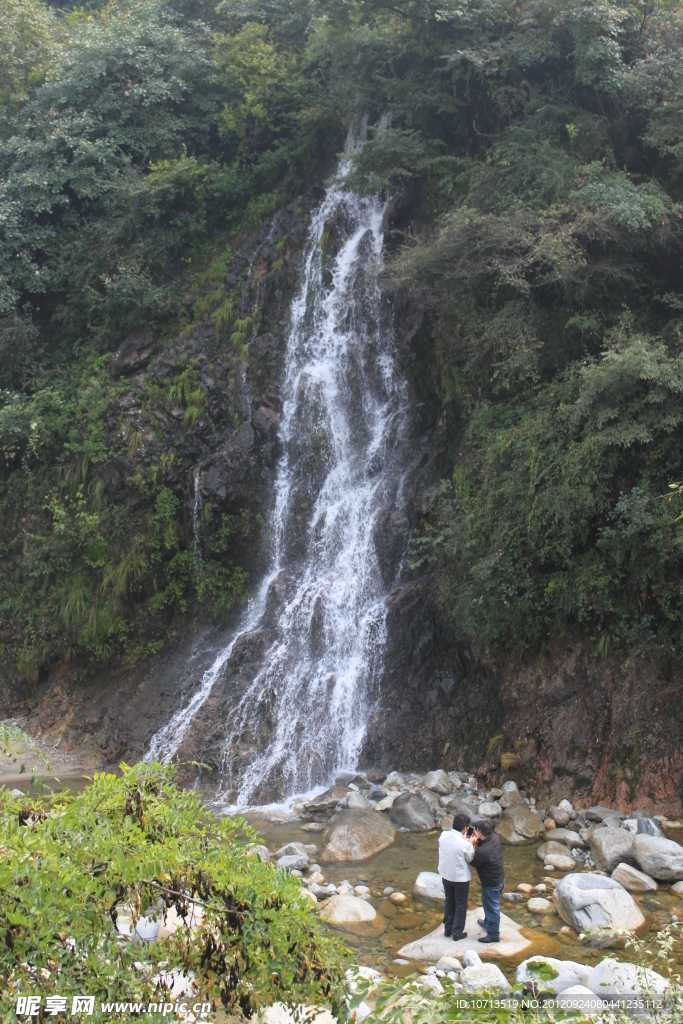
{"x": 399, "y": 865}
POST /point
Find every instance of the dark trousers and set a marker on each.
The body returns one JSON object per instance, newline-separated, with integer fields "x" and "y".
{"x": 490, "y": 901}
{"x": 455, "y": 907}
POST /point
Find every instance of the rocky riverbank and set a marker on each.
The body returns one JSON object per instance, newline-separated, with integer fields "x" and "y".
{"x": 598, "y": 866}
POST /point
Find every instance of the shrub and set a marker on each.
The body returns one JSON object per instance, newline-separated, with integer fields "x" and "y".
{"x": 137, "y": 844}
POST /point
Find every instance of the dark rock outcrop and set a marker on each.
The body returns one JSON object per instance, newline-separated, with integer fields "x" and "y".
{"x": 133, "y": 353}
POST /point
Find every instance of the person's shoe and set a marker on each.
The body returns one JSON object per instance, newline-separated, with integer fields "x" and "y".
{"x": 482, "y": 922}
{"x": 487, "y": 938}
{"x": 456, "y": 938}
{"x": 447, "y": 934}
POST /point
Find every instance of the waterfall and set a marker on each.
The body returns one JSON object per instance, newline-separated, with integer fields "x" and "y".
{"x": 197, "y": 521}
{"x": 342, "y": 427}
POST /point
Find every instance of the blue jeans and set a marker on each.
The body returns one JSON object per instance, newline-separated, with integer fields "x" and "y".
{"x": 490, "y": 901}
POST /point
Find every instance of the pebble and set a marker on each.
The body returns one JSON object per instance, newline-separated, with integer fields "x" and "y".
{"x": 398, "y": 897}
{"x": 448, "y": 964}
{"x": 513, "y": 897}
{"x": 388, "y": 890}
{"x": 525, "y": 887}
{"x": 541, "y": 887}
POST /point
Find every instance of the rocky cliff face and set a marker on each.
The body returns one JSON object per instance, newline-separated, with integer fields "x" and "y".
{"x": 229, "y": 449}
{"x": 566, "y": 724}
{"x": 595, "y": 730}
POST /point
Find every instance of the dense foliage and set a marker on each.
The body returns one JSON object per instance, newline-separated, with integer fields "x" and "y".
{"x": 536, "y": 148}
{"x": 134, "y": 140}
{"x": 541, "y": 144}
{"x": 137, "y": 847}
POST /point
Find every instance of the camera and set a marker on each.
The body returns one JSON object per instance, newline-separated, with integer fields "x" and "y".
{"x": 470, "y": 831}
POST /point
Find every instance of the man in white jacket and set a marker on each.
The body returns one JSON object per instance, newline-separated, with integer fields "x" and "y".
{"x": 455, "y": 854}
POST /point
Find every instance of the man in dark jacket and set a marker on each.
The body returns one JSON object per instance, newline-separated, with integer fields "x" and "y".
{"x": 488, "y": 860}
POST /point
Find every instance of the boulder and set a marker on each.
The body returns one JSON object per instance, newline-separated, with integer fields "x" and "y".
{"x": 559, "y": 815}
{"x": 438, "y": 782}
{"x": 386, "y": 803}
{"x": 659, "y": 858}
{"x": 578, "y": 997}
{"x": 352, "y": 779}
{"x": 490, "y": 809}
{"x": 394, "y": 781}
{"x": 471, "y": 958}
{"x": 569, "y": 837}
{"x": 357, "y": 802}
{"x": 600, "y": 813}
{"x": 531, "y": 972}
{"x": 428, "y": 886}
{"x": 511, "y": 799}
{"x": 560, "y": 861}
{"x": 293, "y": 863}
{"x": 458, "y": 805}
{"x": 324, "y": 803}
{"x": 518, "y": 825}
{"x": 134, "y": 351}
{"x": 375, "y": 776}
{"x": 539, "y": 905}
{"x": 546, "y": 850}
{"x": 291, "y": 850}
{"x": 412, "y": 812}
{"x": 448, "y": 963}
{"x": 354, "y": 835}
{"x": 633, "y": 880}
{"x": 485, "y": 978}
{"x": 432, "y": 800}
{"x": 446, "y": 823}
{"x": 430, "y": 985}
{"x": 612, "y": 979}
{"x": 346, "y": 909}
{"x": 610, "y": 846}
{"x": 597, "y": 905}
{"x": 677, "y": 887}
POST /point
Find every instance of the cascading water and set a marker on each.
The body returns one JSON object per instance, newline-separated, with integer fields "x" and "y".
{"x": 341, "y": 431}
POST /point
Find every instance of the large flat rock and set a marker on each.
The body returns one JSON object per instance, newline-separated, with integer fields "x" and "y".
{"x": 433, "y": 946}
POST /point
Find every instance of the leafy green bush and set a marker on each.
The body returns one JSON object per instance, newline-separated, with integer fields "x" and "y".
{"x": 138, "y": 846}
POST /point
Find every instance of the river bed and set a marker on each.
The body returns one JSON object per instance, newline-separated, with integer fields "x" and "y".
{"x": 399, "y": 865}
